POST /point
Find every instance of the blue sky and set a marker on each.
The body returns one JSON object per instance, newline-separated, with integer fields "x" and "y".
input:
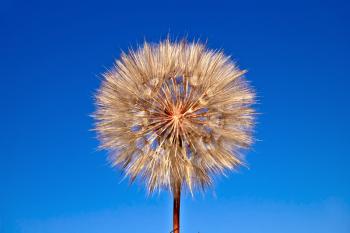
{"x": 52, "y": 178}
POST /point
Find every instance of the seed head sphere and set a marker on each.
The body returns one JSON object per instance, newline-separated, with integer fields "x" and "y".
{"x": 174, "y": 113}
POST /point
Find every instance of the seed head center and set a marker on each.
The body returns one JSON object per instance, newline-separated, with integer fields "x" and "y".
{"x": 177, "y": 115}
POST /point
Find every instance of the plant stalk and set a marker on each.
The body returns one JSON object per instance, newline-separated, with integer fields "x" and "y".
{"x": 176, "y": 209}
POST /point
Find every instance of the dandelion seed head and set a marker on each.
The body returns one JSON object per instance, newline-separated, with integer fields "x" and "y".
{"x": 174, "y": 113}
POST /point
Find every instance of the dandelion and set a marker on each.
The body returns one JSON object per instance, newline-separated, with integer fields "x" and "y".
{"x": 174, "y": 115}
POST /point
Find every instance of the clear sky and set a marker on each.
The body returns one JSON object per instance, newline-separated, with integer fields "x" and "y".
{"x": 52, "y": 178}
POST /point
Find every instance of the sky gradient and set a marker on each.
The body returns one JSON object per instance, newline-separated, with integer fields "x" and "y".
{"x": 54, "y": 180}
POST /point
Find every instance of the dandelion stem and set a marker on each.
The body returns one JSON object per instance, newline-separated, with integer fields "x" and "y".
{"x": 176, "y": 208}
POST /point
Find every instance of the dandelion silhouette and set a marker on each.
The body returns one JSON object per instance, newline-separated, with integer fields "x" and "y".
{"x": 174, "y": 114}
